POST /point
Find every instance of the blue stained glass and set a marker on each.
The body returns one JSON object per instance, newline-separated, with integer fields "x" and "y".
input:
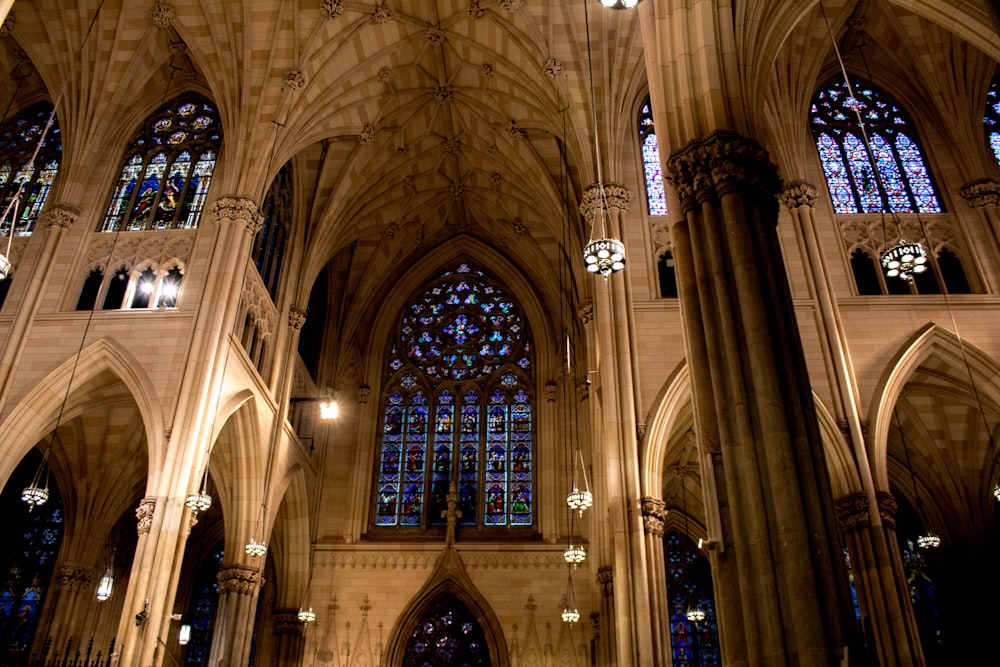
{"x": 655, "y": 196}
{"x": 991, "y": 117}
{"x": 902, "y": 181}
{"x": 689, "y": 584}
{"x": 19, "y": 139}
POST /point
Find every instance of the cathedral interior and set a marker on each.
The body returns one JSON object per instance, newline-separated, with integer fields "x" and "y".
{"x": 499, "y": 332}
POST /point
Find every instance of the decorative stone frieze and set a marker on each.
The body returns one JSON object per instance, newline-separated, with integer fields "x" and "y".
{"x": 367, "y": 134}
{"x": 239, "y": 579}
{"x": 144, "y": 515}
{"x": 475, "y": 11}
{"x": 606, "y": 578}
{"x": 723, "y": 162}
{"x": 586, "y": 312}
{"x": 981, "y": 193}
{"x": 550, "y": 391}
{"x": 799, "y": 194}
{"x": 295, "y": 80}
{"x": 332, "y": 8}
{"x": 363, "y": 392}
{"x": 887, "y": 508}
{"x": 163, "y": 14}
{"x": 296, "y": 317}
{"x": 616, "y": 197}
{"x": 654, "y": 512}
{"x": 71, "y": 577}
{"x": 552, "y": 67}
{"x": 163, "y": 250}
{"x": 852, "y": 511}
{"x": 240, "y": 209}
{"x": 285, "y": 622}
{"x": 61, "y": 216}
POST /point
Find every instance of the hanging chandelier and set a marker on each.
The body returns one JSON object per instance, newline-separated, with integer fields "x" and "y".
{"x": 570, "y": 615}
{"x": 34, "y": 494}
{"x": 575, "y": 555}
{"x": 903, "y": 260}
{"x": 619, "y": 4}
{"x": 199, "y": 502}
{"x": 106, "y": 585}
{"x": 307, "y": 615}
{"x": 578, "y": 499}
{"x": 928, "y": 540}
{"x": 256, "y": 549}
{"x": 695, "y": 614}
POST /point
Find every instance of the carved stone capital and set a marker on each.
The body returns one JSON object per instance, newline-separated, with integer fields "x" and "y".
{"x": 586, "y": 312}
{"x": 852, "y": 511}
{"x": 241, "y": 209}
{"x": 799, "y": 194}
{"x": 60, "y": 216}
{"x": 550, "y": 391}
{"x": 74, "y": 578}
{"x": 606, "y": 578}
{"x": 364, "y": 391}
{"x": 654, "y": 512}
{"x": 721, "y": 163}
{"x": 296, "y": 317}
{"x": 887, "y": 508}
{"x": 981, "y": 193}
{"x": 144, "y": 514}
{"x": 583, "y": 389}
{"x": 285, "y": 622}
{"x": 615, "y": 197}
{"x": 239, "y": 579}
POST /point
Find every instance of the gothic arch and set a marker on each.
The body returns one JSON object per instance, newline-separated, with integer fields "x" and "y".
{"x": 449, "y": 578}
{"x": 668, "y": 408}
{"x": 290, "y": 540}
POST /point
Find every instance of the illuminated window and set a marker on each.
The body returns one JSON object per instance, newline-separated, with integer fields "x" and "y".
{"x": 269, "y": 243}
{"x": 167, "y": 169}
{"x": 148, "y": 287}
{"x": 854, "y": 186}
{"x": 458, "y": 408}
{"x": 689, "y": 586}
{"x": 19, "y": 137}
{"x": 991, "y": 118}
{"x": 656, "y": 198}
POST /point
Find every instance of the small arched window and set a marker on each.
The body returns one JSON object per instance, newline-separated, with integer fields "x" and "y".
{"x": 667, "y": 275}
{"x": 20, "y": 176}
{"x": 991, "y": 118}
{"x": 902, "y": 184}
{"x": 656, "y": 198}
{"x": 458, "y": 408}
{"x": 269, "y": 244}
{"x": 167, "y": 169}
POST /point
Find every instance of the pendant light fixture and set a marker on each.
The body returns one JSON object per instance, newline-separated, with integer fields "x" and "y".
{"x": 929, "y": 539}
{"x": 695, "y": 613}
{"x": 619, "y": 4}
{"x": 603, "y": 254}
{"x": 107, "y": 583}
{"x": 570, "y": 612}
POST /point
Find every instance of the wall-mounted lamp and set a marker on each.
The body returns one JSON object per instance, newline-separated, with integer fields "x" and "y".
{"x": 184, "y": 634}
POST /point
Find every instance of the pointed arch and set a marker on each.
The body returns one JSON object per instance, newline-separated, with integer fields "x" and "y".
{"x": 669, "y": 406}
{"x": 952, "y": 352}
{"x": 290, "y": 541}
{"x": 449, "y": 578}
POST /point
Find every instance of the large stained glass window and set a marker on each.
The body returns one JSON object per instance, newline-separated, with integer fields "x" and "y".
{"x": 458, "y": 408}
{"x": 991, "y": 119}
{"x": 689, "y": 586}
{"x": 447, "y": 634}
{"x": 201, "y": 611}
{"x": 902, "y": 183}
{"x": 655, "y": 196}
{"x": 21, "y": 176}
{"x": 167, "y": 169}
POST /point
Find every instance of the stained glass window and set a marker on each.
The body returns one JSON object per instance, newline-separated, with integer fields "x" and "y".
{"x": 458, "y": 408}
{"x": 991, "y": 118}
{"x": 26, "y": 565}
{"x": 689, "y": 585}
{"x": 902, "y": 182}
{"x": 21, "y": 176}
{"x": 204, "y": 598}
{"x": 447, "y": 634}
{"x": 269, "y": 243}
{"x": 167, "y": 169}
{"x": 655, "y": 196}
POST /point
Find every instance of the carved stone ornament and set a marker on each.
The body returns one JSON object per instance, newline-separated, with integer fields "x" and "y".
{"x": 616, "y": 197}
{"x": 384, "y": 74}
{"x": 514, "y": 131}
{"x": 552, "y": 67}
{"x": 239, "y": 579}
{"x": 295, "y": 80}
{"x": 606, "y": 578}
{"x": 887, "y": 508}
{"x": 241, "y": 209}
{"x": 144, "y": 515}
{"x": 382, "y": 13}
{"x": 73, "y": 577}
{"x": 367, "y": 134}
{"x": 492, "y": 149}
{"x": 457, "y": 191}
{"x": 286, "y": 623}
{"x": 163, "y": 15}
{"x": 799, "y": 194}
{"x": 723, "y": 162}
{"x": 475, "y": 11}
{"x": 985, "y": 192}
{"x": 550, "y": 391}
{"x": 178, "y": 47}
{"x": 363, "y": 392}
{"x": 511, "y": 5}
{"x": 444, "y": 93}
{"x": 61, "y": 216}
{"x": 583, "y": 390}
{"x": 852, "y": 511}
{"x": 586, "y": 312}
{"x": 296, "y": 317}
{"x": 390, "y": 231}
{"x": 451, "y": 146}
{"x": 640, "y": 430}
{"x": 435, "y": 35}
{"x": 654, "y": 512}
{"x": 518, "y": 226}
{"x": 332, "y": 8}
{"x": 5, "y": 29}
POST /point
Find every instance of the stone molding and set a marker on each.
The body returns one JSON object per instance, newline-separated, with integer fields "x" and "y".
{"x": 239, "y": 579}
{"x": 852, "y": 511}
{"x": 606, "y": 578}
{"x": 144, "y": 514}
{"x": 239, "y": 208}
{"x": 73, "y": 577}
{"x": 981, "y": 193}
{"x": 471, "y": 561}
{"x": 162, "y": 251}
{"x": 799, "y": 194}
{"x": 721, "y": 163}
{"x": 616, "y": 197}
{"x": 296, "y": 317}
{"x": 61, "y": 216}
{"x": 654, "y": 512}
{"x": 872, "y": 234}
{"x": 285, "y": 622}
{"x": 586, "y": 312}
{"x": 364, "y": 391}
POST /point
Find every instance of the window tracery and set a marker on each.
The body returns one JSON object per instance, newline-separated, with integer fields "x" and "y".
{"x": 689, "y": 585}
{"x": 458, "y": 408}
{"x": 19, "y": 137}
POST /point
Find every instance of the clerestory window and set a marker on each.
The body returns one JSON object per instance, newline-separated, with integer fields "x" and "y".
{"x": 30, "y": 150}
{"x": 656, "y": 198}
{"x": 991, "y": 117}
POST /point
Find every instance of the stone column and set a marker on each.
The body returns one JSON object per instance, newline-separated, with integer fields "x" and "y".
{"x": 56, "y": 219}
{"x": 232, "y": 630}
{"x": 792, "y": 582}
{"x": 289, "y": 641}
{"x": 607, "y": 641}
{"x": 67, "y": 606}
{"x": 654, "y": 511}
